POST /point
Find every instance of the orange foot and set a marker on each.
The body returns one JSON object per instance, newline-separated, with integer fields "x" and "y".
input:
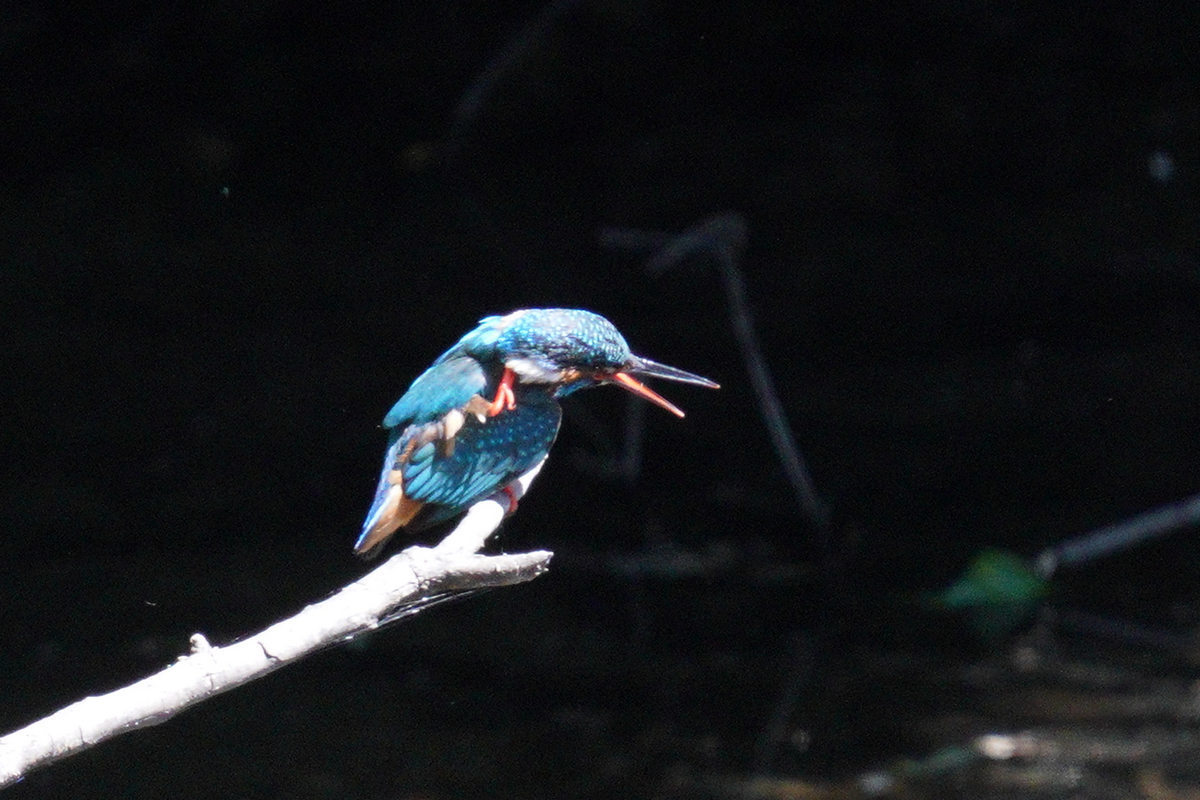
{"x": 512, "y": 500}
{"x": 505, "y": 400}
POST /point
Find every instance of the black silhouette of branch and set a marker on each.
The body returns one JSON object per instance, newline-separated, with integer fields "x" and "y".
{"x": 722, "y": 240}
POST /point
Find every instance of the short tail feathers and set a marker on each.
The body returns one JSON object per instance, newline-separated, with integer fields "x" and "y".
{"x": 380, "y": 524}
{"x": 390, "y": 511}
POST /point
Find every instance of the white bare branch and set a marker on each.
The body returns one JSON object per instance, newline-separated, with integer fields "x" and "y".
{"x": 409, "y": 577}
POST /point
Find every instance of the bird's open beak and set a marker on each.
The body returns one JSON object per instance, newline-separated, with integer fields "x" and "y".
{"x": 652, "y": 369}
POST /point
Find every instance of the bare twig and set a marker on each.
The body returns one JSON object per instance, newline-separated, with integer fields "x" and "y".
{"x": 505, "y": 61}
{"x": 1120, "y": 535}
{"x": 414, "y": 578}
{"x": 722, "y": 239}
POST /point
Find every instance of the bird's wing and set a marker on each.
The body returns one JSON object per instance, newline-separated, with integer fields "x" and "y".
{"x": 429, "y": 415}
{"x": 446, "y": 386}
{"x": 486, "y": 455}
{"x": 446, "y": 452}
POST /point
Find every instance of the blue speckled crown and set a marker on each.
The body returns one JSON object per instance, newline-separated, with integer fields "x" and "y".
{"x": 554, "y": 337}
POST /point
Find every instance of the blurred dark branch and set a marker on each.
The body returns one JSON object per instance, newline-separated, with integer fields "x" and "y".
{"x": 603, "y": 457}
{"x": 722, "y": 240}
{"x": 517, "y": 48}
{"x": 1124, "y": 631}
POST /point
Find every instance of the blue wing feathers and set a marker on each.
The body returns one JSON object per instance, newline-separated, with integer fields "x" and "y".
{"x": 446, "y": 385}
{"x": 481, "y": 342}
{"x": 486, "y": 455}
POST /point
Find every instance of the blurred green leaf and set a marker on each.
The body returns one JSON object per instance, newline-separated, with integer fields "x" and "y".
{"x": 997, "y": 592}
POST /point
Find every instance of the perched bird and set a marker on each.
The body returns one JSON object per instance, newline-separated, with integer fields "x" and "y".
{"x": 487, "y": 411}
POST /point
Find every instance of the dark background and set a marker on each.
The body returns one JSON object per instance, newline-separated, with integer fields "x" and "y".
{"x": 231, "y": 234}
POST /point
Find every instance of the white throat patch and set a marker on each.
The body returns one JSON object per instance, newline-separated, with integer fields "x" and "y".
{"x": 530, "y": 371}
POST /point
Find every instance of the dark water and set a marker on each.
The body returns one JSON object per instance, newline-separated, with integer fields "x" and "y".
{"x": 230, "y": 238}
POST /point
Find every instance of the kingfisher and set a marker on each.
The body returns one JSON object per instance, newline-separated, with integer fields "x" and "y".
{"x": 487, "y": 411}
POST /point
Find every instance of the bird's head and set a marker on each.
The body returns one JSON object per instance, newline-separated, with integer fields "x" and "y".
{"x": 573, "y": 349}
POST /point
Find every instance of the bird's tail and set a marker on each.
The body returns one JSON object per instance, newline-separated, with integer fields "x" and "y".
{"x": 390, "y": 511}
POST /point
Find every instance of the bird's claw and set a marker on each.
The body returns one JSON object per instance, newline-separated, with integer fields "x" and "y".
{"x": 511, "y": 494}
{"x": 505, "y": 400}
